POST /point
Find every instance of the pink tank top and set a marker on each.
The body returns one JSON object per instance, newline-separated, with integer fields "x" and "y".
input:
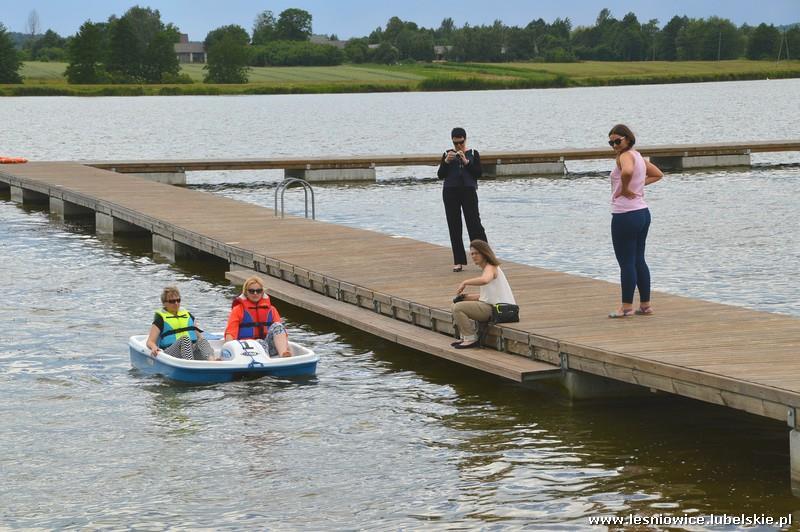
{"x": 619, "y": 203}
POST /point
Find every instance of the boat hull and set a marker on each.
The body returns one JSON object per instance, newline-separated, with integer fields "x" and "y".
{"x": 202, "y": 372}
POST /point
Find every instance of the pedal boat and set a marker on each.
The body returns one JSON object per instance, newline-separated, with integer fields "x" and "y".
{"x": 238, "y": 359}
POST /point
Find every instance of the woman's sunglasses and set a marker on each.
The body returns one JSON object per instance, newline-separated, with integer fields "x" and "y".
{"x": 178, "y": 300}
{"x": 615, "y": 142}
{"x": 255, "y": 290}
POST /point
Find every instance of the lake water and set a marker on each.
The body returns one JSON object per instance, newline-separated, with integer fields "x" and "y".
{"x": 383, "y": 438}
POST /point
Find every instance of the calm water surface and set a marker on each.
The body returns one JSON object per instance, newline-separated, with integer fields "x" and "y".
{"x": 383, "y": 438}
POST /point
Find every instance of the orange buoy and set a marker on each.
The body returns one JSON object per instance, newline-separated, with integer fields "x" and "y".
{"x": 13, "y": 160}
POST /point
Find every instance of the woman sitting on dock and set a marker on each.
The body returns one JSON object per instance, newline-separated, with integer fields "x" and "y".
{"x": 630, "y": 219}
{"x": 174, "y": 330}
{"x": 253, "y": 317}
{"x": 478, "y": 307}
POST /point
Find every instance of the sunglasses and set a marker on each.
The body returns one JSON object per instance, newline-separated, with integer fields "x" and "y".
{"x": 459, "y": 142}
{"x": 255, "y": 290}
{"x": 615, "y": 142}
{"x": 172, "y": 300}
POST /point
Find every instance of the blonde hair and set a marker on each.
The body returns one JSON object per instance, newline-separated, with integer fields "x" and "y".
{"x": 169, "y": 291}
{"x": 483, "y": 248}
{"x": 251, "y": 280}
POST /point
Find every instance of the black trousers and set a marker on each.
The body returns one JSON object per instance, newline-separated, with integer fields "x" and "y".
{"x": 456, "y": 200}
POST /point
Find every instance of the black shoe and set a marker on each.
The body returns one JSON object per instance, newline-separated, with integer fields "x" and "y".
{"x": 458, "y": 269}
{"x": 454, "y": 344}
{"x": 462, "y": 345}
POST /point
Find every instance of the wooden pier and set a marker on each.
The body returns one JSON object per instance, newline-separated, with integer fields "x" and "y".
{"x": 496, "y": 163}
{"x": 401, "y": 289}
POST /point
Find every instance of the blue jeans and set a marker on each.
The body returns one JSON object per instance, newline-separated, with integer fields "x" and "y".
{"x": 629, "y": 233}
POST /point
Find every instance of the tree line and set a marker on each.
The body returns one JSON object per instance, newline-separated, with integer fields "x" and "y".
{"x": 609, "y": 39}
{"x": 138, "y": 47}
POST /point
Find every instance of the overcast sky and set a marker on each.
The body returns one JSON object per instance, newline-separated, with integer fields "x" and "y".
{"x": 355, "y": 18}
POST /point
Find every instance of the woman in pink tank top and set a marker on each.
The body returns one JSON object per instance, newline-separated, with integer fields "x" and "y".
{"x": 630, "y": 219}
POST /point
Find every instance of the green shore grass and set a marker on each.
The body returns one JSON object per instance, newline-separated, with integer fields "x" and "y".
{"x": 47, "y": 79}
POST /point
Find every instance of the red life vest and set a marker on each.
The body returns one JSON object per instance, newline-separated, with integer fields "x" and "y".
{"x": 256, "y": 317}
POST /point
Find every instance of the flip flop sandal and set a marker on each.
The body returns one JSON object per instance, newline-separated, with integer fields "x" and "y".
{"x": 644, "y": 311}
{"x": 624, "y": 314}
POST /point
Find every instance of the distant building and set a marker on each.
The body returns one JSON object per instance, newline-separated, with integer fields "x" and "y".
{"x": 440, "y": 52}
{"x": 190, "y": 52}
{"x": 324, "y": 39}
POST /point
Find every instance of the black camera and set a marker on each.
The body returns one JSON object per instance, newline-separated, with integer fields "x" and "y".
{"x": 459, "y": 297}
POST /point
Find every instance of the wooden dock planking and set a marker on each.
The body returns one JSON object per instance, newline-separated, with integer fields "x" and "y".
{"x": 719, "y": 353}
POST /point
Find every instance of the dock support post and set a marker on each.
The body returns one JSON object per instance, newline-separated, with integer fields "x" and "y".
{"x": 704, "y": 161}
{"x": 794, "y": 460}
{"x": 16, "y": 194}
{"x": 581, "y": 386}
{"x": 106, "y": 224}
{"x": 168, "y": 178}
{"x": 23, "y": 196}
{"x": 4, "y": 187}
{"x": 524, "y": 169}
{"x": 65, "y": 209}
{"x": 333, "y": 175}
{"x": 171, "y": 250}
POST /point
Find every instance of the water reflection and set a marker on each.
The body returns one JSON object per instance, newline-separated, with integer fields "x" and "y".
{"x": 170, "y": 407}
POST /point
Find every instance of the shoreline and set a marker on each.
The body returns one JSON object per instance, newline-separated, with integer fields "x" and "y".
{"x": 45, "y": 79}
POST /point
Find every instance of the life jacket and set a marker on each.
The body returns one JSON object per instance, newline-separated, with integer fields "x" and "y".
{"x": 176, "y": 326}
{"x": 256, "y": 317}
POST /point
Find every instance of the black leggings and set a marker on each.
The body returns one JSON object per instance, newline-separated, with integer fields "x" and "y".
{"x": 629, "y": 234}
{"x": 455, "y": 200}
{"x": 184, "y": 348}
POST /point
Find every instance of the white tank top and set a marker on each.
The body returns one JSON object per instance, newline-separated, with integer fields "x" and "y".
{"x": 497, "y": 290}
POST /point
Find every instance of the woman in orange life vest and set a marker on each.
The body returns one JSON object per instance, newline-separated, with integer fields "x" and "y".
{"x": 253, "y": 317}
{"x": 174, "y": 330}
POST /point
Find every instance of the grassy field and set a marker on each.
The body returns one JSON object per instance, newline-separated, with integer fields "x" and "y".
{"x": 602, "y": 69}
{"x": 47, "y": 78}
{"x": 334, "y": 74}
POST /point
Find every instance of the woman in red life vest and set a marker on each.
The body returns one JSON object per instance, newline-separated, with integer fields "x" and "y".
{"x": 253, "y": 317}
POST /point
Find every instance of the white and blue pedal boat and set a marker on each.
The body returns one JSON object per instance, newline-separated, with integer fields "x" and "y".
{"x": 238, "y": 359}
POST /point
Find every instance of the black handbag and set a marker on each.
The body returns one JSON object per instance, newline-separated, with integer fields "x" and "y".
{"x": 505, "y": 313}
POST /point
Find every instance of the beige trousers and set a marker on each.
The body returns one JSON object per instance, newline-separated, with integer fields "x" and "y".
{"x": 464, "y": 312}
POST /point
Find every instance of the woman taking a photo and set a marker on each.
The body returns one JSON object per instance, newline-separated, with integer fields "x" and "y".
{"x": 630, "y": 219}
{"x": 460, "y": 168}
{"x": 478, "y": 307}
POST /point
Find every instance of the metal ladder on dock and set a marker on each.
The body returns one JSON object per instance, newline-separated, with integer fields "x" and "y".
{"x": 288, "y": 182}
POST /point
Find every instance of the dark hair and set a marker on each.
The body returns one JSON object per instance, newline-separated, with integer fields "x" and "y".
{"x": 458, "y": 132}
{"x": 624, "y": 131}
{"x": 483, "y": 248}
